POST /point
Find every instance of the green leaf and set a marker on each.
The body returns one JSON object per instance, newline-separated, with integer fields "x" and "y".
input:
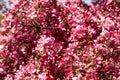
{"x": 1, "y": 17}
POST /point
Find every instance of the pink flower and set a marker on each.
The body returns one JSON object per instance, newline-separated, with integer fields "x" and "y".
{"x": 68, "y": 73}
{"x": 109, "y": 1}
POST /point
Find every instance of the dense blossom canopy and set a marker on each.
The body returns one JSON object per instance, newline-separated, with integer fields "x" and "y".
{"x": 49, "y": 40}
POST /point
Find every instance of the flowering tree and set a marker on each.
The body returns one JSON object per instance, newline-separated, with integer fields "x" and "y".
{"x": 3, "y": 6}
{"x": 49, "y": 40}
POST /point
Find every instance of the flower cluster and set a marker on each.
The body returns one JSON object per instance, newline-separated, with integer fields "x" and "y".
{"x": 49, "y": 40}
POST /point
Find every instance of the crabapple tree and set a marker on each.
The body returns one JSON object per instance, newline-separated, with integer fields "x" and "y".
{"x": 51, "y": 40}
